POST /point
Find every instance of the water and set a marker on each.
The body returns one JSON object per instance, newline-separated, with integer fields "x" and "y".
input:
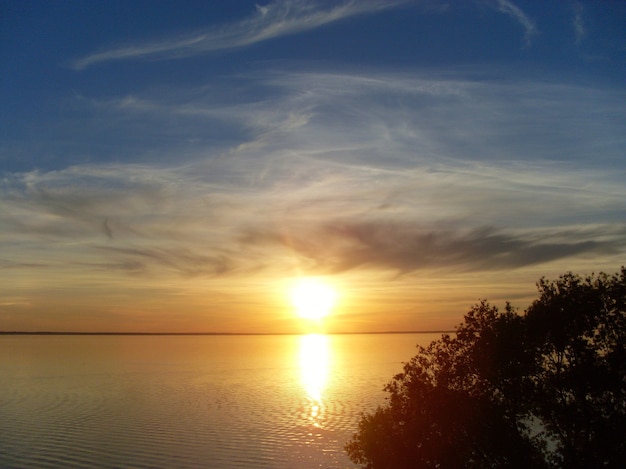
{"x": 191, "y": 401}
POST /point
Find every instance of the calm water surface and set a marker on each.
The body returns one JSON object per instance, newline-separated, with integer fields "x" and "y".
{"x": 191, "y": 401}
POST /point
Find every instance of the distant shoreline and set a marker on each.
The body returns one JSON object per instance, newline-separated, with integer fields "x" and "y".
{"x": 216, "y": 333}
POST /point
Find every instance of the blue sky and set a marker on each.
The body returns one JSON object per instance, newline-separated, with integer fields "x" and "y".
{"x": 175, "y": 165}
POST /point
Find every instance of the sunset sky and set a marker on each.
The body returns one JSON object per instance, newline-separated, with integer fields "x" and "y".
{"x": 178, "y": 165}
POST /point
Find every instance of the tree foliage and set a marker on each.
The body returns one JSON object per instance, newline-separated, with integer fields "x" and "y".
{"x": 546, "y": 388}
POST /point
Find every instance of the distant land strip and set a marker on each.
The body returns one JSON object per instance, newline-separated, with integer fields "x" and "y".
{"x": 216, "y": 333}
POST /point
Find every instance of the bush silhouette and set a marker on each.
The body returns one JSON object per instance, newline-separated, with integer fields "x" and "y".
{"x": 546, "y": 388}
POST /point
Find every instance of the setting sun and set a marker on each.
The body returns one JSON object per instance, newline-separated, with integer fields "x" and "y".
{"x": 312, "y": 298}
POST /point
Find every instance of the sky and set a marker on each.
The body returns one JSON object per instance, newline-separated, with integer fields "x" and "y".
{"x": 178, "y": 165}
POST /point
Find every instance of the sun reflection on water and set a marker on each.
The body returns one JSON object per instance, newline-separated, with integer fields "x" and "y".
{"x": 314, "y": 366}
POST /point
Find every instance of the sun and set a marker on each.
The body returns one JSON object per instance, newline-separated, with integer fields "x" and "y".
{"x": 313, "y": 298}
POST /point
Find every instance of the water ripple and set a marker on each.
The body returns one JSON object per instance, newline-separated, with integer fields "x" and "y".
{"x": 206, "y": 405}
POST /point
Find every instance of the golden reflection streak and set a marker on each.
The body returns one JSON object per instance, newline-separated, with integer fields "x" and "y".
{"x": 314, "y": 366}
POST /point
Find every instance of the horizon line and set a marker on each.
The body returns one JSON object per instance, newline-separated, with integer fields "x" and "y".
{"x": 217, "y": 333}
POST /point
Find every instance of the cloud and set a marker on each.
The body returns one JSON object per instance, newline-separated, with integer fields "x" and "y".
{"x": 4, "y": 264}
{"x": 405, "y": 247}
{"x": 163, "y": 217}
{"x": 383, "y": 120}
{"x": 309, "y": 216}
{"x": 578, "y": 22}
{"x": 279, "y": 18}
{"x": 509, "y": 8}
{"x": 181, "y": 260}
{"x": 334, "y": 172}
{"x": 107, "y": 229}
{"x": 276, "y": 19}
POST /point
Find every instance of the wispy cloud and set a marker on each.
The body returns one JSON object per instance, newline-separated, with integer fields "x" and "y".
{"x": 317, "y": 216}
{"x": 279, "y": 18}
{"x": 578, "y": 22}
{"x": 509, "y": 8}
{"x": 390, "y": 172}
{"x": 405, "y": 247}
{"x": 179, "y": 260}
{"x": 386, "y": 120}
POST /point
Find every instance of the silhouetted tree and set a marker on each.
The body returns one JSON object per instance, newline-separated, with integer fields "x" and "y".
{"x": 577, "y": 327}
{"x": 546, "y": 388}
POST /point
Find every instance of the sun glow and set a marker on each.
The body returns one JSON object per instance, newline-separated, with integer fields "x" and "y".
{"x": 312, "y": 298}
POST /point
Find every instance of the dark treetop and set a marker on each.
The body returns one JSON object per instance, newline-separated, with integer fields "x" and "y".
{"x": 546, "y": 388}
